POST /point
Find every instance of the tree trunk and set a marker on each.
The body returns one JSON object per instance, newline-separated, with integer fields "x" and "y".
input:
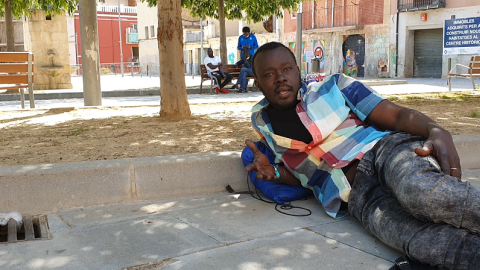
{"x": 173, "y": 93}
{"x": 92, "y": 92}
{"x": 223, "y": 33}
{"x": 9, "y": 27}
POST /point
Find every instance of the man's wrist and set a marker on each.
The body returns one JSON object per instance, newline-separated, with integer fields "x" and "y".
{"x": 277, "y": 173}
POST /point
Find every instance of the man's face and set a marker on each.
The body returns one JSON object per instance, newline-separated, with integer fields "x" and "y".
{"x": 246, "y": 34}
{"x": 210, "y": 52}
{"x": 278, "y": 77}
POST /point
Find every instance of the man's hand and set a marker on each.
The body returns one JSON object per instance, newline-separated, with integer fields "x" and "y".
{"x": 440, "y": 145}
{"x": 261, "y": 164}
{"x": 219, "y": 64}
{"x": 389, "y": 116}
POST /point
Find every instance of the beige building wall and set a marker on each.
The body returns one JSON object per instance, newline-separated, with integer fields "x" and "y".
{"x": 148, "y": 45}
{"x": 18, "y": 33}
{"x": 462, "y": 3}
{"x": 72, "y": 41}
{"x": 409, "y": 22}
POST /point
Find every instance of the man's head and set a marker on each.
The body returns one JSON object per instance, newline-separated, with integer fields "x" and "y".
{"x": 210, "y": 52}
{"x": 246, "y": 31}
{"x": 246, "y": 54}
{"x": 277, "y": 74}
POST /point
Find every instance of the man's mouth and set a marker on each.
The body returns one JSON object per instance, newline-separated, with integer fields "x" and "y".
{"x": 283, "y": 90}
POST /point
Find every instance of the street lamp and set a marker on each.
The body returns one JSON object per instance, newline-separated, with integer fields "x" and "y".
{"x": 120, "y": 31}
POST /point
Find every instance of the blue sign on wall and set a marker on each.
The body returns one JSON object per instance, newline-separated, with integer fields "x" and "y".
{"x": 462, "y": 36}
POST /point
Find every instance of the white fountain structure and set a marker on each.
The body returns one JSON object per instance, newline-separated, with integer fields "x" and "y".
{"x": 47, "y": 37}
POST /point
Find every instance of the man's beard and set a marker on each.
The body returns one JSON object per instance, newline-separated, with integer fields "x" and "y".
{"x": 285, "y": 106}
{"x": 280, "y": 106}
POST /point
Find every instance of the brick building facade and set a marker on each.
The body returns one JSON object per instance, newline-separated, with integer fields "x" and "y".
{"x": 349, "y": 33}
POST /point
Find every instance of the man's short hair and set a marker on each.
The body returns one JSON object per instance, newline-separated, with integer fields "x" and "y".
{"x": 246, "y": 29}
{"x": 269, "y": 47}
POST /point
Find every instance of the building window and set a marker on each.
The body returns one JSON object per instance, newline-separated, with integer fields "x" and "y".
{"x": 146, "y": 32}
{"x": 133, "y": 26}
{"x": 294, "y": 15}
{"x": 152, "y": 31}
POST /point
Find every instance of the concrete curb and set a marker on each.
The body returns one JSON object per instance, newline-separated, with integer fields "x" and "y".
{"x": 119, "y": 93}
{"x": 43, "y": 188}
{"x": 34, "y": 189}
{"x": 39, "y": 95}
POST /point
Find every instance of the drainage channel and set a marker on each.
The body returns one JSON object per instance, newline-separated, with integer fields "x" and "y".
{"x": 33, "y": 228}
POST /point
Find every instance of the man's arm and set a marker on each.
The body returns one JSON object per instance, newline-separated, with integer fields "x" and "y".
{"x": 240, "y": 63}
{"x": 265, "y": 171}
{"x": 218, "y": 65}
{"x": 239, "y": 46}
{"x": 389, "y": 116}
{"x": 255, "y": 43}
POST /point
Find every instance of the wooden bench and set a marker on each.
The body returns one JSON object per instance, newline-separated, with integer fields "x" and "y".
{"x": 232, "y": 69}
{"x": 16, "y": 72}
{"x": 473, "y": 71}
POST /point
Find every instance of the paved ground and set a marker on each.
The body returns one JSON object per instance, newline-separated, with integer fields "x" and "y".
{"x": 124, "y": 91}
{"x": 214, "y": 231}
{"x": 217, "y": 231}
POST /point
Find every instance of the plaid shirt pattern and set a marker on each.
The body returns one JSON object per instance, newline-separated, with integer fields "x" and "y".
{"x": 334, "y": 112}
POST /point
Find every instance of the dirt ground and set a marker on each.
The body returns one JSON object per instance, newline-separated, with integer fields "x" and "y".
{"x": 83, "y": 134}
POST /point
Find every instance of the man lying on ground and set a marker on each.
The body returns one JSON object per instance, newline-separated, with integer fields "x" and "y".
{"x": 392, "y": 168}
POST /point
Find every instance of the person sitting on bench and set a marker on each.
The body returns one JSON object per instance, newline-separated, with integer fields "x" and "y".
{"x": 245, "y": 72}
{"x": 215, "y": 71}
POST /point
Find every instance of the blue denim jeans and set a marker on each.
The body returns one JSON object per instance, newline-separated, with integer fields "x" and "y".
{"x": 409, "y": 204}
{"x": 242, "y": 77}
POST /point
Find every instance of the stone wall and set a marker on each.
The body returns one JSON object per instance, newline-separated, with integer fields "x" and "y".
{"x": 47, "y": 37}
{"x": 377, "y": 51}
{"x": 18, "y": 33}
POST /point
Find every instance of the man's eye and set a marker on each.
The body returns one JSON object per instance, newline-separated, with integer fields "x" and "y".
{"x": 268, "y": 75}
{"x": 288, "y": 68}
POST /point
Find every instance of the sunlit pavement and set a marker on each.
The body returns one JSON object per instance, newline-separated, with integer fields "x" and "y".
{"x": 214, "y": 231}
{"x": 125, "y": 87}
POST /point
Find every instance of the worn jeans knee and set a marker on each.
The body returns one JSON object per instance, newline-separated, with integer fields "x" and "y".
{"x": 374, "y": 201}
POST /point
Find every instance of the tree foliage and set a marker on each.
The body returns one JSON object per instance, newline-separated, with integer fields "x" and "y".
{"x": 256, "y": 10}
{"x": 20, "y": 7}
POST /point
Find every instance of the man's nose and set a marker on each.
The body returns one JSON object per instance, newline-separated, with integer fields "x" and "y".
{"x": 280, "y": 78}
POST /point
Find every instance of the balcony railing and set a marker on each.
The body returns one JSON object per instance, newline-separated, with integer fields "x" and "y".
{"x": 132, "y": 38}
{"x": 414, "y": 5}
{"x": 132, "y": 35}
{"x": 193, "y": 37}
{"x": 342, "y": 16}
{"x": 114, "y": 9}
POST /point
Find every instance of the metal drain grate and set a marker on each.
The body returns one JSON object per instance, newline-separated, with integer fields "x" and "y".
{"x": 33, "y": 228}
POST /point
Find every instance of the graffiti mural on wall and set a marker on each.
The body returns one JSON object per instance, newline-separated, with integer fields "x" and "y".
{"x": 377, "y": 48}
{"x": 353, "y": 50}
{"x": 303, "y": 69}
{"x": 319, "y": 53}
{"x": 231, "y": 58}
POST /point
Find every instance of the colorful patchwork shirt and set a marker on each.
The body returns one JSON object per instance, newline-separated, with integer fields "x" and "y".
{"x": 333, "y": 111}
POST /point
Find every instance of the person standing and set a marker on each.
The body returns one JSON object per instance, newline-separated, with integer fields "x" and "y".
{"x": 215, "y": 71}
{"x": 247, "y": 41}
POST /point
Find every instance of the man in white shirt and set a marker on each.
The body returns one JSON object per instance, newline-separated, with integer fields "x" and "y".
{"x": 215, "y": 71}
